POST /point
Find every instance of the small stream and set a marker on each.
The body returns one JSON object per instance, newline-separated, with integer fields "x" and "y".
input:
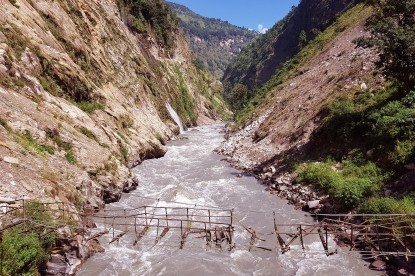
{"x": 191, "y": 174}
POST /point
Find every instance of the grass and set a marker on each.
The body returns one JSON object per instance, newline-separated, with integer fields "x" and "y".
{"x": 28, "y": 143}
{"x": 89, "y": 106}
{"x": 70, "y": 157}
{"x": 124, "y": 152}
{"x": 184, "y": 104}
{"x": 349, "y": 186}
{"x": 378, "y": 205}
{"x": 88, "y": 133}
{"x": 54, "y": 135}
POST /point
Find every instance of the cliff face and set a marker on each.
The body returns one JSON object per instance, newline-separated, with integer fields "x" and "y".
{"x": 260, "y": 61}
{"x": 82, "y": 99}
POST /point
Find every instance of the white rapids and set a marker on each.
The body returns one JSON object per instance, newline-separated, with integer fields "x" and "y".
{"x": 192, "y": 174}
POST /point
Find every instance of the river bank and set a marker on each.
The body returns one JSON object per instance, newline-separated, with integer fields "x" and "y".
{"x": 191, "y": 174}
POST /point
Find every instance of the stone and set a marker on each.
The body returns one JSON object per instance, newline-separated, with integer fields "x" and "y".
{"x": 11, "y": 160}
{"x": 378, "y": 265}
{"x": 313, "y": 204}
{"x": 363, "y": 86}
{"x": 403, "y": 271}
{"x": 7, "y": 200}
{"x": 95, "y": 247}
{"x": 410, "y": 167}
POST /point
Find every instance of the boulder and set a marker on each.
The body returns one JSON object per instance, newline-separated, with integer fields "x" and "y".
{"x": 313, "y": 204}
{"x": 11, "y": 160}
{"x": 378, "y": 265}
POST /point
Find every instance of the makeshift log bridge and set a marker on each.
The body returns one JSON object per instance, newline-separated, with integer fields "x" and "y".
{"x": 370, "y": 235}
{"x": 213, "y": 225}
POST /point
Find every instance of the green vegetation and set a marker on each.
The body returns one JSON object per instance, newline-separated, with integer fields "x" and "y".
{"x": 125, "y": 122}
{"x": 373, "y": 127}
{"x": 184, "y": 104}
{"x": 291, "y": 67}
{"x": 349, "y": 186}
{"x": 53, "y": 134}
{"x": 206, "y": 37}
{"x": 155, "y": 14}
{"x": 124, "y": 152}
{"x": 392, "y": 30}
{"x": 88, "y": 133}
{"x": 26, "y": 140}
{"x": 22, "y": 254}
{"x": 248, "y": 68}
{"x": 50, "y": 85}
{"x": 15, "y": 39}
{"x": 70, "y": 157}
{"x": 89, "y": 106}
{"x": 385, "y": 205}
{"x": 4, "y": 124}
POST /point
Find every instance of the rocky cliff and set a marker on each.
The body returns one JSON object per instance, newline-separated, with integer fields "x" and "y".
{"x": 82, "y": 98}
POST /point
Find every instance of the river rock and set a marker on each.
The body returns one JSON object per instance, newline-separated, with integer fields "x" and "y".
{"x": 11, "y": 160}
{"x": 378, "y": 265}
{"x": 403, "y": 271}
{"x": 7, "y": 200}
{"x": 313, "y": 204}
{"x": 95, "y": 247}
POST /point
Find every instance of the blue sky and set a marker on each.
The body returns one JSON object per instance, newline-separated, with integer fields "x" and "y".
{"x": 244, "y": 13}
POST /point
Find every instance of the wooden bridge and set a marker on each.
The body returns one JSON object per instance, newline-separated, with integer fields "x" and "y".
{"x": 370, "y": 235}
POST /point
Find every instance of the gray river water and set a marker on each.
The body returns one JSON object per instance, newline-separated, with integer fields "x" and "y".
{"x": 191, "y": 174}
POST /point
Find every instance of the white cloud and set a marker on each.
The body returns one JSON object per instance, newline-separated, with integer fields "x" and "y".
{"x": 262, "y": 29}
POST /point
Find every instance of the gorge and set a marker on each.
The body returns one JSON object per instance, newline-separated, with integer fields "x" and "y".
{"x": 116, "y": 106}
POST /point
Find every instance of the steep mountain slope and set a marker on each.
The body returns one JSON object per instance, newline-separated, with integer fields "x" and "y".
{"x": 213, "y": 42}
{"x": 291, "y": 111}
{"x": 257, "y": 63}
{"x": 83, "y": 88}
{"x": 332, "y": 126}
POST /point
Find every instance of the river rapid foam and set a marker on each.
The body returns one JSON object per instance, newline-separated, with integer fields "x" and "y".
{"x": 191, "y": 174}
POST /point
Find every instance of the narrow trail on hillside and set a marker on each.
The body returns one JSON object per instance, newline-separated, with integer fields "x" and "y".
{"x": 192, "y": 175}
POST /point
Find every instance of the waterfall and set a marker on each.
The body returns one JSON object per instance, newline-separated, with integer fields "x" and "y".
{"x": 175, "y": 117}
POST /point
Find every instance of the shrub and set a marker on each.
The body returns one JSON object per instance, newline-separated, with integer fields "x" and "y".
{"x": 377, "y": 205}
{"x": 89, "y": 106}
{"x": 88, "y": 133}
{"x": 321, "y": 175}
{"x": 70, "y": 157}
{"x": 349, "y": 186}
{"x": 21, "y": 254}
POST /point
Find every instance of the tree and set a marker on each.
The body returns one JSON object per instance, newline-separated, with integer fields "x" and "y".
{"x": 239, "y": 96}
{"x": 302, "y": 40}
{"x": 392, "y": 29}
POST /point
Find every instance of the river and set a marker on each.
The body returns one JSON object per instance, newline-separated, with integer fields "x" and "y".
{"x": 191, "y": 174}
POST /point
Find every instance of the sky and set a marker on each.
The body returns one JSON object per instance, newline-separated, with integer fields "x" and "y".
{"x": 258, "y": 15}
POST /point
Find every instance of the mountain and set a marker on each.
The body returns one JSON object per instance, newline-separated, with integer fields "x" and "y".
{"x": 258, "y": 62}
{"x": 334, "y": 124}
{"x": 214, "y": 42}
{"x": 83, "y": 93}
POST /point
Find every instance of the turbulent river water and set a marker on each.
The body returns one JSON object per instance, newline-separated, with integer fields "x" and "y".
{"x": 191, "y": 174}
